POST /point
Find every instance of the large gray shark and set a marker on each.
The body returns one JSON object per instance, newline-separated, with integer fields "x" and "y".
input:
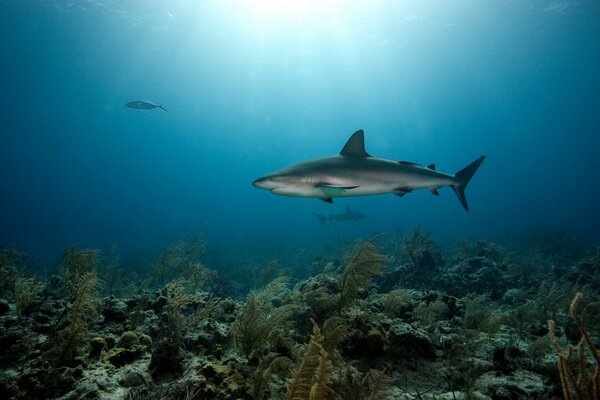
{"x": 355, "y": 173}
{"x": 348, "y": 215}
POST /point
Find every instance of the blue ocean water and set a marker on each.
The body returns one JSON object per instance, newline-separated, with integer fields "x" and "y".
{"x": 253, "y": 86}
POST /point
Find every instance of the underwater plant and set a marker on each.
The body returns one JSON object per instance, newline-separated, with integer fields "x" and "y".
{"x": 175, "y": 300}
{"x": 83, "y": 311}
{"x": 9, "y": 259}
{"x": 313, "y": 377}
{"x": 259, "y": 320}
{"x": 482, "y": 314}
{"x": 355, "y": 385}
{"x": 269, "y": 272}
{"x": 396, "y": 302}
{"x": 178, "y": 260}
{"x": 366, "y": 263}
{"x": 76, "y": 266}
{"x": 585, "y": 385}
{"x": 115, "y": 278}
{"x": 27, "y": 291}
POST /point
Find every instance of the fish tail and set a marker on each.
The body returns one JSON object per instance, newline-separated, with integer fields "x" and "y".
{"x": 322, "y": 218}
{"x": 163, "y": 108}
{"x": 462, "y": 179}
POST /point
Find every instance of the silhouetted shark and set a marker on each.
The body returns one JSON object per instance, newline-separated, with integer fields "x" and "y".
{"x": 355, "y": 173}
{"x": 144, "y": 105}
{"x": 348, "y": 215}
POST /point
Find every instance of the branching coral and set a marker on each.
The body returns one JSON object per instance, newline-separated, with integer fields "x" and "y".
{"x": 76, "y": 265}
{"x": 175, "y": 300}
{"x": 179, "y": 260}
{"x": 417, "y": 246}
{"x": 366, "y": 263}
{"x": 81, "y": 283}
{"x": 586, "y": 385}
{"x": 9, "y": 259}
{"x": 259, "y": 320}
{"x": 26, "y": 293}
{"x": 313, "y": 378}
{"x": 83, "y": 310}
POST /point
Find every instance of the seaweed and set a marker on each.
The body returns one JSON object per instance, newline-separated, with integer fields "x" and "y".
{"x": 76, "y": 265}
{"x": 269, "y": 365}
{"x": 334, "y": 333}
{"x": 366, "y": 263}
{"x": 256, "y": 323}
{"x": 397, "y": 302}
{"x": 313, "y": 377}
{"x": 9, "y": 260}
{"x": 27, "y": 291}
{"x": 251, "y": 327}
{"x": 114, "y": 277}
{"x": 586, "y": 385}
{"x": 175, "y": 300}
{"x": 271, "y": 271}
{"x": 423, "y": 255}
{"x": 482, "y": 314}
{"x": 178, "y": 261}
{"x": 83, "y": 310}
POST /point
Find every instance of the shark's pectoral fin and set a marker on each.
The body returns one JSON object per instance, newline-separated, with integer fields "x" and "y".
{"x": 434, "y": 191}
{"x": 326, "y": 199}
{"x": 331, "y": 186}
{"x": 331, "y": 190}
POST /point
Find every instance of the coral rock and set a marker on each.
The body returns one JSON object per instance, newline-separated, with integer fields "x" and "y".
{"x": 406, "y": 342}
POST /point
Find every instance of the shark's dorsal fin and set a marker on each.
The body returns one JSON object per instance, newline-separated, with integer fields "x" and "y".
{"x": 355, "y": 146}
{"x": 431, "y": 166}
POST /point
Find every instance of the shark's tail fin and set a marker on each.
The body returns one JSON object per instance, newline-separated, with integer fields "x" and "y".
{"x": 463, "y": 177}
{"x": 163, "y": 108}
{"x": 322, "y": 218}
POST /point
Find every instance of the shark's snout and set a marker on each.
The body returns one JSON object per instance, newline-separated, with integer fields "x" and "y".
{"x": 258, "y": 183}
{"x": 263, "y": 183}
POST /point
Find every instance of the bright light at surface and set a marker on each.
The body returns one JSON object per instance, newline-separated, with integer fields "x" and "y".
{"x": 288, "y": 9}
{"x": 278, "y": 8}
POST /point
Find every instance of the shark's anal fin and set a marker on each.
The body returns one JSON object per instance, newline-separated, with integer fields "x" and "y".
{"x": 326, "y": 199}
{"x": 355, "y": 146}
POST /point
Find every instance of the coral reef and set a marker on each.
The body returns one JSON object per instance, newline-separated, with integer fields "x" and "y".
{"x": 396, "y": 318}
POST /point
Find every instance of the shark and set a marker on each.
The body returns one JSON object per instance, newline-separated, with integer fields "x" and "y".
{"x": 348, "y": 215}
{"x": 145, "y": 105}
{"x": 354, "y": 172}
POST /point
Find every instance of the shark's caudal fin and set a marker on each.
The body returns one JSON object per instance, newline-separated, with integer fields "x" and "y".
{"x": 322, "y": 218}
{"x": 462, "y": 180}
{"x": 163, "y": 108}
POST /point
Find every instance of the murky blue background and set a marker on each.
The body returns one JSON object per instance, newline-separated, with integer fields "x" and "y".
{"x": 253, "y": 86}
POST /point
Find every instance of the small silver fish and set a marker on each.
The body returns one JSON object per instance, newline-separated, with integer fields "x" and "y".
{"x": 144, "y": 105}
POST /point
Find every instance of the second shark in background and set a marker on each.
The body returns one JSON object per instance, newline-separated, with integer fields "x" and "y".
{"x": 348, "y": 215}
